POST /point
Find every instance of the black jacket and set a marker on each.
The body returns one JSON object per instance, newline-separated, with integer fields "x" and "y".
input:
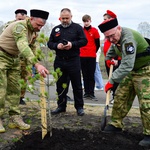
{"x": 74, "y": 33}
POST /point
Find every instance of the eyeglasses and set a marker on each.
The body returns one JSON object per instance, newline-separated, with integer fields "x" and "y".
{"x": 111, "y": 36}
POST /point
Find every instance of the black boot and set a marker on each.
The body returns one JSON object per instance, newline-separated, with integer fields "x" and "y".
{"x": 86, "y": 95}
{"x": 111, "y": 129}
{"x": 145, "y": 142}
{"x": 22, "y": 102}
{"x": 58, "y": 110}
{"x": 92, "y": 97}
{"x": 80, "y": 112}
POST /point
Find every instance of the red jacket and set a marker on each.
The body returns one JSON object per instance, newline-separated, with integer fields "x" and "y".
{"x": 106, "y": 47}
{"x": 90, "y": 49}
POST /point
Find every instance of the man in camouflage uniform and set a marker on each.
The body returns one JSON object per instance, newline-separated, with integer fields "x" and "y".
{"x": 133, "y": 75}
{"x": 21, "y": 14}
{"x": 14, "y": 41}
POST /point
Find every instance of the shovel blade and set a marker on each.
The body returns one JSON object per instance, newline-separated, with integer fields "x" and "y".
{"x": 104, "y": 118}
{"x": 103, "y": 123}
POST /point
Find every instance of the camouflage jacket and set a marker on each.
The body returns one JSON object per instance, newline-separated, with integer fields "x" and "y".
{"x": 130, "y": 45}
{"x": 19, "y": 38}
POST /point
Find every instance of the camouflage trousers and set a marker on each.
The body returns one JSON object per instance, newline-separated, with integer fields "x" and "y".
{"x": 9, "y": 85}
{"x": 24, "y": 75}
{"x": 136, "y": 83}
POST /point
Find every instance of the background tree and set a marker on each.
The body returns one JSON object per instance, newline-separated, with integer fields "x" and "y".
{"x": 46, "y": 30}
{"x": 144, "y": 29}
{"x": 1, "y": 26}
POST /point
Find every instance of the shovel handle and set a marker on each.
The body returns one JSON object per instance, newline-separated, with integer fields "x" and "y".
{"x": 110, "y": 71}
{"x": 107, "y": 97}
{"x": 108, "y": 92}
{"x": 104, "y": 117}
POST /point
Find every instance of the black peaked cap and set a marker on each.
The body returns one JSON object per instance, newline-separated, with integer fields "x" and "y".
{"x": 39, "y": 13}
{"x": 22, "y": 11}
{"x": 108, "y": 24}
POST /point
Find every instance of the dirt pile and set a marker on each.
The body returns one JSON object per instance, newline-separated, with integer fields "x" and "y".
{"x": 64, "y": 139}
{"x": 72, "y": 132}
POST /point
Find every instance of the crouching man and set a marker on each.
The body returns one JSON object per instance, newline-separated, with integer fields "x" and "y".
{"x": 133, "y": 75}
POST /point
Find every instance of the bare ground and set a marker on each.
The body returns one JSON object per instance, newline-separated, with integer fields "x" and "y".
{"x": 72, "y": 132}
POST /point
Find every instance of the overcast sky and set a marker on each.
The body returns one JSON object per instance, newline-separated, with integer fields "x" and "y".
{"x": 129, "y": 13}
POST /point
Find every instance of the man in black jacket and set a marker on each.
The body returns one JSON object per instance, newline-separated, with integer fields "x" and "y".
{"x": 66, "y": 39}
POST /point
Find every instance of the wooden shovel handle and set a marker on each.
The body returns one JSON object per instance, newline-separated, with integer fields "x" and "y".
{"x": 108, "y": 92}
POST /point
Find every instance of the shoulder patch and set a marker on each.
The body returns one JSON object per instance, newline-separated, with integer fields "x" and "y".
{"x": 129, "y": 48}
{"x": 19, "y": 29}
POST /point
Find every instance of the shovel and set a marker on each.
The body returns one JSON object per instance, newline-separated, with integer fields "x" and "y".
{"x": 104, "y": 117}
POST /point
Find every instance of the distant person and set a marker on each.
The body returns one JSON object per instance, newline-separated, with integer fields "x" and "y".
{"x": 117, "y": 60}
{"x": 66, "y": 39}
{"x": 20, "y": 14}
{"x": 88, "y": 57}
{"x": 133, "y": 75}
{"x": 16, "y": 40}
{"x": 99, "y": 85}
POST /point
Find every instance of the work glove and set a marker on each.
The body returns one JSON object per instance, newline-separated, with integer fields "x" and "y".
{"x": 108, "y": 86}
{"x": 109, "y": 62}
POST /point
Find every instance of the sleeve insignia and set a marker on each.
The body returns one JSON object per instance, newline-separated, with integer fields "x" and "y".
{"x": 19, "y": 29}
{"x": 129, "y": 48}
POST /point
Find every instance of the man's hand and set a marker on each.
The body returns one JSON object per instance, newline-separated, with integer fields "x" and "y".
{"x": 108, "y": 86}
{"x": 41, "y": 70}
{"x": 68, "y": 46}
{"x": 61, "y": 46}
{"x": 109, "y": 62}
{"x": 115, "y": 62}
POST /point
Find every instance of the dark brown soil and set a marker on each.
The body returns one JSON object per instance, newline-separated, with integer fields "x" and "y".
{"x": 72, "y": 132}
{"x": 64, "y": 139}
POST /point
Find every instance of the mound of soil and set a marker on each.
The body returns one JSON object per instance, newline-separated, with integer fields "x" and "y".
{"x": 65, "y": 139}
{"x": 72, "y": 132}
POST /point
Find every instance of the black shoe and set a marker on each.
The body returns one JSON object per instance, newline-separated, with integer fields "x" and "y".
{"x": 92, "y": 97}
{"x": 22, "y": 102}
{"x": 69, "y": 99}
{"x": 80, "y": 111}
{"x": 58, "y": 110}
{"x": 145, "y": 142}
{"x": 111, "y": 129}
{"x": 85, "y": 95}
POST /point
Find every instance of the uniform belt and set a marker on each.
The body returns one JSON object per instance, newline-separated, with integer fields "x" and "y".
{"x": 10, "y": 55}
{"x": 66, "y": 57}
{"x": 143, "y": 54}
